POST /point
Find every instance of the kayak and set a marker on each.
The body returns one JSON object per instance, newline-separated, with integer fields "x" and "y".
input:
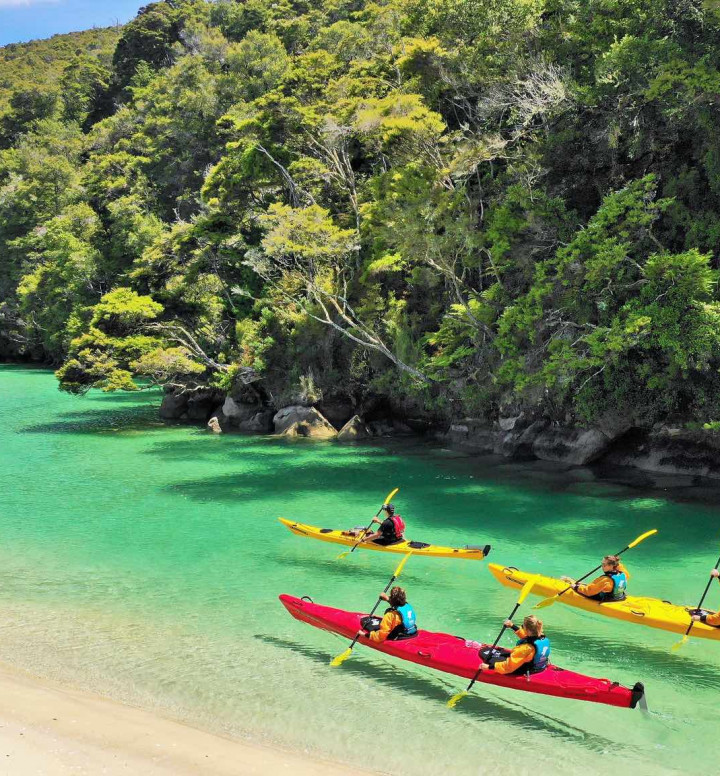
{"x": 469, "y": 552}
{"x": 455, "y": 655}
{"x": 644, "y": 611}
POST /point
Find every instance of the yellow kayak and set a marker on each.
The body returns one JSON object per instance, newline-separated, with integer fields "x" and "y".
{"x": 644, "y": 611}
{"x": 468, "y": 552}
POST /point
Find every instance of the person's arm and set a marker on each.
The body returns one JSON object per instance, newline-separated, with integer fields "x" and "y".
{"x": 518, "y": 657}
{"x": 370, "y": 537}
{"x": 600, "y": 585}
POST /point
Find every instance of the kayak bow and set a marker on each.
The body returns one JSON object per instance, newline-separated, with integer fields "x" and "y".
{"x": 455, "y": 655}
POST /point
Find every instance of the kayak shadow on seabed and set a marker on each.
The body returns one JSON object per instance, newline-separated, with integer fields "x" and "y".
{"x": 475, "y": 705}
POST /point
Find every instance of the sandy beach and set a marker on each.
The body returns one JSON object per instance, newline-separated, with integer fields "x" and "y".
{"x": 50, "y": 730}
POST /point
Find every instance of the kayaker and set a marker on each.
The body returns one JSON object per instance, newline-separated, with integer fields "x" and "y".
{"x": 530, "y": 655}
{"x": 610, "y": 586}
{"x": 398, "y": 622}
{"x": 392, "y": 528}
{"x": 708, "y": 617}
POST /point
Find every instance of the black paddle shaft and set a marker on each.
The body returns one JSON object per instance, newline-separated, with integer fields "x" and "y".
{"x": 590, "y": 573}
{"x": 495, "y": 643}
{"x": 364, "y": 533}
{"x": 702, "y": 600}
{"x": 374, "y": 609}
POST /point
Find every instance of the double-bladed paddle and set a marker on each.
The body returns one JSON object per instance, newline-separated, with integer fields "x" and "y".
{"x": 699, "y": 606}
{"x": 550, "y": 601}
{"x": 389, "y": 498}
{"x": 343, "y": 656}
{"x": 527, "y": 587}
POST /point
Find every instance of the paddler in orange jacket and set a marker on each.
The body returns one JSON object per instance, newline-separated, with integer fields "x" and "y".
{"x": 398, "y": 622}
{"x": 610, "y": 586}
{"x": 708, "y": 617}
{"x": 531, "y": 653}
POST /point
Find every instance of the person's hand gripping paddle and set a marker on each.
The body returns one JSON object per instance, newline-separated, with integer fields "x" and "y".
{"x": 526, "y": 588}
{"x": 389, "y": 498}
{"x": 343, "y": 656}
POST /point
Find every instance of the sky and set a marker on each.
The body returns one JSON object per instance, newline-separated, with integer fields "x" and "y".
{"x": 22, "y": 20}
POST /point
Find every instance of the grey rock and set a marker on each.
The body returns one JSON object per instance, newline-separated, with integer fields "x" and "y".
{"x": 260, "y": 423}
{"x": 575, "y": 446}
{"x": 303, "y": 421}
{"x": 355, "y": 428}
{"x": 173, "y": 405}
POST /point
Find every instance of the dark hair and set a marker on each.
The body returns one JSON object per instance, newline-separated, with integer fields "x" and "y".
{"x": 397, "y": 597}
{"x": 612, "y": 560}
{"x": 389, "y": 508}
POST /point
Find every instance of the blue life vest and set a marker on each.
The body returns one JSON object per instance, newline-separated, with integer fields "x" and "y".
{"x": 619, "y": 580}
{"x": 541, "y": 658}
{"x": 408, "y": 619}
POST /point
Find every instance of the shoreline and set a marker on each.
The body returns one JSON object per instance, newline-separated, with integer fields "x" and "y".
{"x": 52, "y": 729}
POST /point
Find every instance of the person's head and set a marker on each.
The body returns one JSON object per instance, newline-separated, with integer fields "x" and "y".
{"x": 389, "y": 509}
{"x": 533, "y": 627}
{"x": 610, "y": 563}
{"x": 397, "y": 597}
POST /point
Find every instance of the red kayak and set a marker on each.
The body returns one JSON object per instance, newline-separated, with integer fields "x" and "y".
{"x": 457, "y": 656}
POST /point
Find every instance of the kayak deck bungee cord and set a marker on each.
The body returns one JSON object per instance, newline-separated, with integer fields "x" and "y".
{"x": 469, "y": 552}
{"x": 455, "y": 655}
{"x": 651, "y": 612}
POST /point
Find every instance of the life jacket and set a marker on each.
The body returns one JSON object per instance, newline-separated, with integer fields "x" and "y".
{"x": 399, "y": 525}
{"x": 619, "y": 580}
{"x": 408, "y": 628}
{"x": 541, "y": 658}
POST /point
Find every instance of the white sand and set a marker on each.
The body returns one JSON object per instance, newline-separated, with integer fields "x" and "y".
{"x": 50, "y": 730}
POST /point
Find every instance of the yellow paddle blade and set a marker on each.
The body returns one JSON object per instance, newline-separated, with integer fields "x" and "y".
{"x": 675, "y": 647}
{"x": 642, "y": 538}
{"x": 545, "y": 602}
{"x": 341, "y": 658}
{"x": 391, "y": 496}
{"x": 527, "y": 587}
{"x": 456, "y": 699}
{"x": 343, "y": 555}
{"x": 402, "y": 563}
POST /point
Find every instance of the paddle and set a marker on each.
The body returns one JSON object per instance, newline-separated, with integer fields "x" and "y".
{"x": 550, "y": 601}
{"x": 389, "y": 498}
{"x": 343, "y": 656}
{"x": 527, "y": 587}
{"x": 699, "y": 606}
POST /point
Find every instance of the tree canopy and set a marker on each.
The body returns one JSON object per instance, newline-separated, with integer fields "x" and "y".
{"x": 476, "y": 204}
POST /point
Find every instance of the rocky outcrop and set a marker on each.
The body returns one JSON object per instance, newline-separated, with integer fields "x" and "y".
{"x": 520, "y": 438}
{"x": 390, "y": 427}
{"x": 193, "y": 406}
{"x": 669, "y": 450}
{"x": 174, "y": 405}
{"x": 303, "y": 421}
{"x": 574, "y": 446}
{"x": 353, "y": 430}
{"x": 260, "y": 423}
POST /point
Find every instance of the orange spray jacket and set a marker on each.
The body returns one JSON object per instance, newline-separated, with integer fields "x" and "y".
{"x": 602, "y": 584}
{"x": 518, "y": 657}
{"x": 389, "y": 622}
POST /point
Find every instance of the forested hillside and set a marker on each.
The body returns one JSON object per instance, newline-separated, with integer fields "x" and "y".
{"x": 458, "y": 205}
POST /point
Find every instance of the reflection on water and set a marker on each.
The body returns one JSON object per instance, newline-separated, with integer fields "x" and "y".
{"x": 145, "y": 562}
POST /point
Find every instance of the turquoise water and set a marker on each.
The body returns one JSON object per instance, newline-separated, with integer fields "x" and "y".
{"x": 144, "y": 562}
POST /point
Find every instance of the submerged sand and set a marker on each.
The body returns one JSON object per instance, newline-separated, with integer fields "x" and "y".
{"x": 49, "y": 729}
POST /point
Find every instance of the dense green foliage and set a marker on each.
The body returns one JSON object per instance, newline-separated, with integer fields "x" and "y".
{"x": 474, "y": 204}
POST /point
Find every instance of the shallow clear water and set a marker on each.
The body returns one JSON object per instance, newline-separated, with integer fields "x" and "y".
{"x": 144, "y": 562}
